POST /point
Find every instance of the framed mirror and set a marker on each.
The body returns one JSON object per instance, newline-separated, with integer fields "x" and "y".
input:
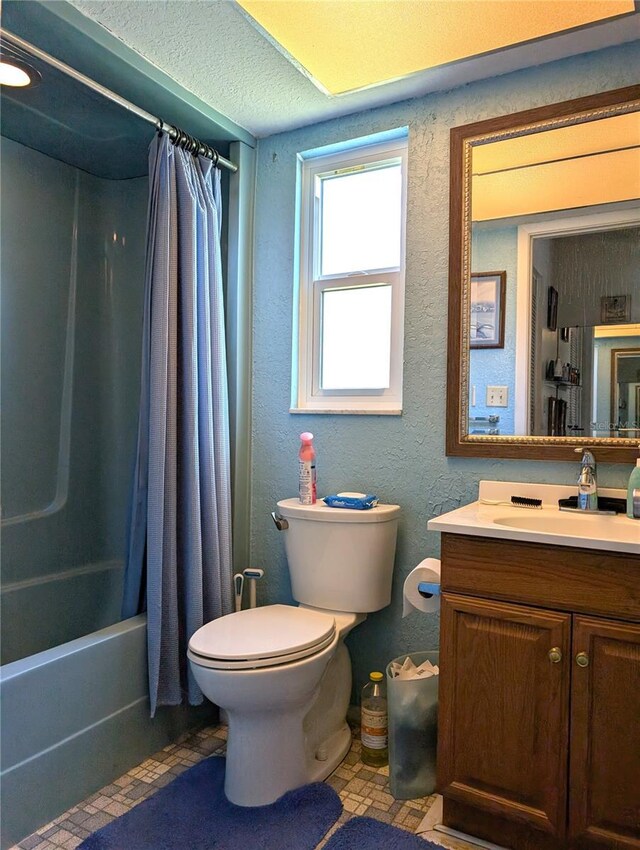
{"x": 544, "y": 282}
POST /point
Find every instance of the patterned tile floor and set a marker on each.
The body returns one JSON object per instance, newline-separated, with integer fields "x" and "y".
{"x": 363, "y": 791}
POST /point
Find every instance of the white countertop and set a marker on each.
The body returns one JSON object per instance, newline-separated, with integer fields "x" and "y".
{"x": 541, "y": 525}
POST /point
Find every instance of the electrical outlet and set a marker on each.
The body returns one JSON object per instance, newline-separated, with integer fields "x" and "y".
{"x": 497, "y": 396}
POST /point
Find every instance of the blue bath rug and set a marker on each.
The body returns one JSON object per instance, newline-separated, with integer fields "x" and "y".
{"x": 192, "y": 813}
{"x": 370, "y": 834}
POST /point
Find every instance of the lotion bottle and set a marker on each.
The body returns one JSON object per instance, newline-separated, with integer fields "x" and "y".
{"x": 633, "y": 504}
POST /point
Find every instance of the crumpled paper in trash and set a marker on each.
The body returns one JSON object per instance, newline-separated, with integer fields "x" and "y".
{"x": 408, "y": 670}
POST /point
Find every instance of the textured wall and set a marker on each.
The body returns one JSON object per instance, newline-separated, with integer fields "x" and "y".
{"x": 400, "y": 458}
{"x": 591, "y": 265}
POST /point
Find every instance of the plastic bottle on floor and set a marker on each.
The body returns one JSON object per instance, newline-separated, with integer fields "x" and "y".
{"x": 374, "y": 724}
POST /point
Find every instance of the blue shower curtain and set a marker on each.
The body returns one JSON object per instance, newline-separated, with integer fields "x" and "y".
{"x": 179, "y": 537}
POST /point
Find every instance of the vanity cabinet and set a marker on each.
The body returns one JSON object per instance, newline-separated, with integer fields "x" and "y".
{"x": 539, "y": 715}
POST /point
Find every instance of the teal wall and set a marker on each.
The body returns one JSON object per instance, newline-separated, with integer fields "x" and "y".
{"x": 67, "y": 442}
{"x": 400, "y": 458}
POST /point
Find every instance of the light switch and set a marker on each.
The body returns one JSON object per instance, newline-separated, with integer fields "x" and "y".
{"x": 497, "y": 396}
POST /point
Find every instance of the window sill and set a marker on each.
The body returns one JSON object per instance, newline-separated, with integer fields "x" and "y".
{"x": 370, "y": 411}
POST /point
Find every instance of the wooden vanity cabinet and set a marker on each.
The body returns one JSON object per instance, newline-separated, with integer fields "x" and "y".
{"x": 539, "y": 714}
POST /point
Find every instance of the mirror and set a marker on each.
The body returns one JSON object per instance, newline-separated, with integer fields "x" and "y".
{"x": 625, "y": 391}
{"x": 544, "y": 293}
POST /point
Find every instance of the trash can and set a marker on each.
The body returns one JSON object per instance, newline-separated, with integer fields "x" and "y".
{"x": 413, "y": 724}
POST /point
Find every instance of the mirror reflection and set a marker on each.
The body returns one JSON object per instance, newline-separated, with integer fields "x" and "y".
{"x": 554, "y": 318}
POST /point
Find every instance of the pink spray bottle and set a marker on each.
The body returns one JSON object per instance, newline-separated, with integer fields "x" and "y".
{"x": 307, "y": 470}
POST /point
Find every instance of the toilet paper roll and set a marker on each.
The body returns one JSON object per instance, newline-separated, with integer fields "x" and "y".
{"x": 415, "y": 599}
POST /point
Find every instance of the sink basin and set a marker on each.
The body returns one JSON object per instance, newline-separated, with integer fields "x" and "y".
{"x": 492, "y": 516}
{"x": 585, "y": 525}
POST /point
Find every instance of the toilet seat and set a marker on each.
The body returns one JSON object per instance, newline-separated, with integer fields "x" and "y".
{"x": 261, "y": 637}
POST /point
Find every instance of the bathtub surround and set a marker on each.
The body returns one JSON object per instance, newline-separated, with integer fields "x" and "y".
{"x": 192, "y": 811}
{"x": 179, "y": 541}
{"x": 71, "y": 245}
{"x": 401, "y": 458}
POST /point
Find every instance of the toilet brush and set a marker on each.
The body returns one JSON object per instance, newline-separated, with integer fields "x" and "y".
{"x": 252, "y": 574}
{"x": 238, "y": 584}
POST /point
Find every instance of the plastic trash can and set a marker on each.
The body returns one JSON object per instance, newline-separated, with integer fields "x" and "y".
{"x": 413, "y": 729}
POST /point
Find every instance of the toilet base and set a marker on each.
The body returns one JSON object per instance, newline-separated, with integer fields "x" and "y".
{"x": 334, "y": 749}
{"x": 272, "y": 752}
{"x": 264, "y": 758}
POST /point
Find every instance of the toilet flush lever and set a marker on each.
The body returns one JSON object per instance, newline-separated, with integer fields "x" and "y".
{"x": 280, "y": 522}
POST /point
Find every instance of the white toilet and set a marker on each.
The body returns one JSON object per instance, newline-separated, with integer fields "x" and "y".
{"x": 283, "y": 673}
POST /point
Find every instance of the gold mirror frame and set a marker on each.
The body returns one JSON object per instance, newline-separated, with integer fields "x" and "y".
{"x": 458, "y": 441}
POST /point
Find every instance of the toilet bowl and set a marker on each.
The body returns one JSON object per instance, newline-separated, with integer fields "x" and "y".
{"x": 282, "y": 673}
{"x": 285, "y": 687}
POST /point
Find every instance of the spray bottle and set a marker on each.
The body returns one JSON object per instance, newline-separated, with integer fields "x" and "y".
{"x": 307, "y": 470}
{"x": 633, "y": 493}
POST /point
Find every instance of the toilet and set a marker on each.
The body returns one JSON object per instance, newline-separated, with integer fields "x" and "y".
{"x": 282, "y": 673}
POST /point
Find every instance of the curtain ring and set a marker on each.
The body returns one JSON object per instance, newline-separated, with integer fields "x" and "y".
{"x": 216, "y": 157}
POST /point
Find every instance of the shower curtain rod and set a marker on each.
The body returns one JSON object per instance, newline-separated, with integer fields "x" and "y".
{"x": 176, "y": 135}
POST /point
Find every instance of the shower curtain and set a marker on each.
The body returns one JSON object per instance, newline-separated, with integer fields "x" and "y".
{"x": 179, "y": 535}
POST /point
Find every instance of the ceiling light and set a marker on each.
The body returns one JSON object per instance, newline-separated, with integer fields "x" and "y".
{"x": 347, "y": 45}
{"x": 15, "y": 73}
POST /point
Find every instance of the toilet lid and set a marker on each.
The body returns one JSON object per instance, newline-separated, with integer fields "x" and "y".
{"x": 261, "y": 637}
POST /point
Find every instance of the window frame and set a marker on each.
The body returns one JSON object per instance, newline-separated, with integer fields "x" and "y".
{"x": 307, "y": 394}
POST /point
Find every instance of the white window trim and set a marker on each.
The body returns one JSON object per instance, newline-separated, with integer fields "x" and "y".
{"x": 307, "y": 397}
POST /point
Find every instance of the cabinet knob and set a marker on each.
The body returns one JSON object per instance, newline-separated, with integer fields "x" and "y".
{"x": 555, "y": 655}
{"x": 582, "y": 659}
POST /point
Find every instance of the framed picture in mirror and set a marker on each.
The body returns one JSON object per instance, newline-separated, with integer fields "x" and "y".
{"x": 615, "y": 309}
{"x": 488, "y": 290}
{"x": 552, "y": 308}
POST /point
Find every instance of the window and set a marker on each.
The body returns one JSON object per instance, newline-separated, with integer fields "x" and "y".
{"x": 348, "y": 356}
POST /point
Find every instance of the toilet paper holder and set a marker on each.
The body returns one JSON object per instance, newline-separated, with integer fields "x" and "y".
{"x": 428, "y": 589}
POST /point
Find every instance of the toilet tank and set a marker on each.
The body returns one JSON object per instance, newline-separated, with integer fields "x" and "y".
{"x": 338, "y": 558}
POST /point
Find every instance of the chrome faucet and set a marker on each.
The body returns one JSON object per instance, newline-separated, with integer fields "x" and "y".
{"x": 587, "y": 482}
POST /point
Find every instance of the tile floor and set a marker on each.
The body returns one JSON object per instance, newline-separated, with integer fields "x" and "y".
{"x": 363, "y": 791}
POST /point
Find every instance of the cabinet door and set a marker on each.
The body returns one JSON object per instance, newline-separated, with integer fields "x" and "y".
{"x": 604, "y": 803}
{"x": 503, "y": 713}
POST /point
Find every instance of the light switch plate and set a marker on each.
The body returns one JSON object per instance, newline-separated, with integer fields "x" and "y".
{"x": 497, "y": 396}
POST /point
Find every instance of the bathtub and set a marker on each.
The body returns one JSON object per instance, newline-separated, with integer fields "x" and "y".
{"x": 75, "y": 717}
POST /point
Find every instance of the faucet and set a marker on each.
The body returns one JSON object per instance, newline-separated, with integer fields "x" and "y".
{"x": 587, "y": 482}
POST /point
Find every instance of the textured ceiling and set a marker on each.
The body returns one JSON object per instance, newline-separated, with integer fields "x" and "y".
{"x": 210, "y": 48}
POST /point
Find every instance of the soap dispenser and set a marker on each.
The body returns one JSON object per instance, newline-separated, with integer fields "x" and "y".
{"x": 633, "y": 493}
